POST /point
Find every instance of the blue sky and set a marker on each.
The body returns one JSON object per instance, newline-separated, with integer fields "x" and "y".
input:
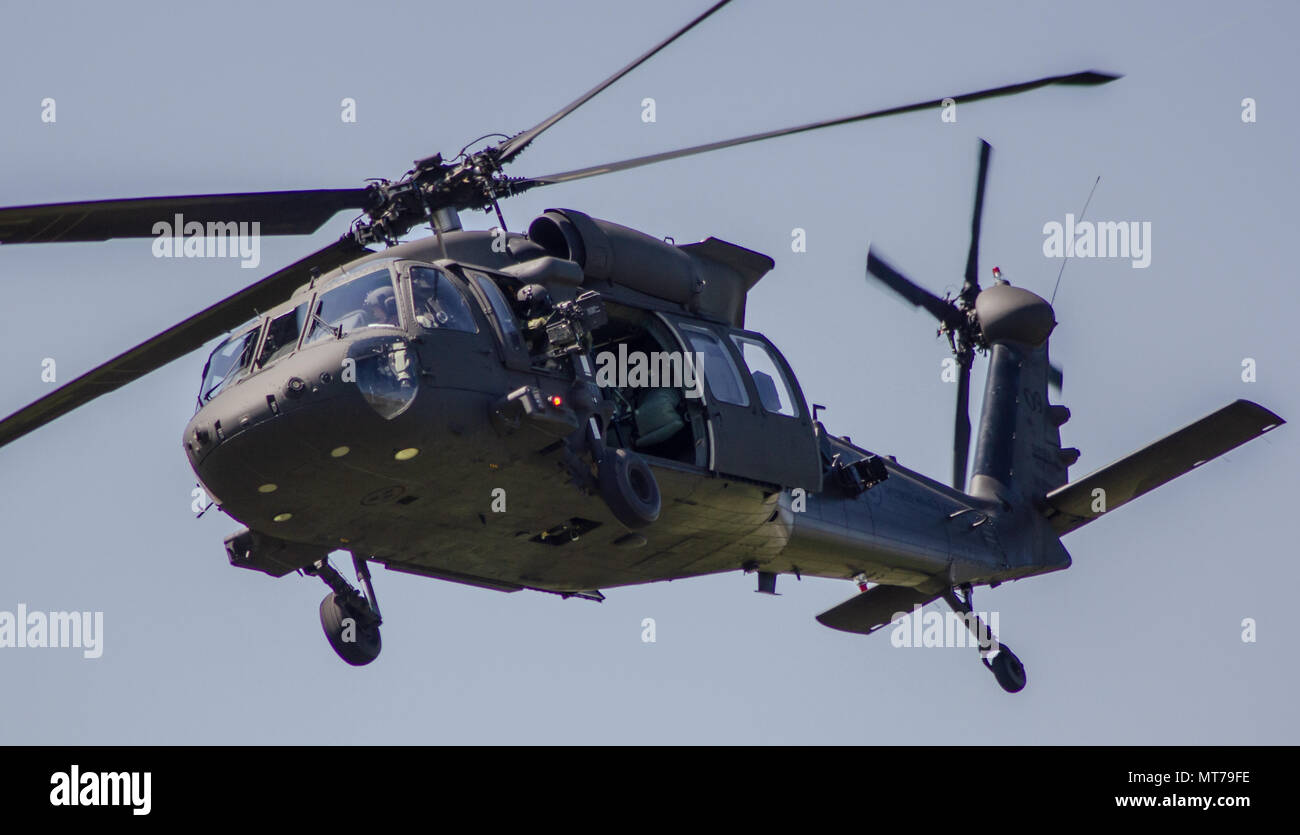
{"x": 1138, "y": 642}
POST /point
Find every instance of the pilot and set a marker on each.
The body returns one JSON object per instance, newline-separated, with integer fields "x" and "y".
{"x": 381, "y": 306}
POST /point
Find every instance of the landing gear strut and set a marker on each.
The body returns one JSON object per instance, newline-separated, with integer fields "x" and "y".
{"x": 1005, "y": 666}
{"x": 350, "y": 620}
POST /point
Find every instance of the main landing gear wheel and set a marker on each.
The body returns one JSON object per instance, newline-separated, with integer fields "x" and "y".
{"x": 1008, "y": 670}
{"x": 350, "y": 628}
{"x": 350, "y": 620}
{"x": 628, "y": 486}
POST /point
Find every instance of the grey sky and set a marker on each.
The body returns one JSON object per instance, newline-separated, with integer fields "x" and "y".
{"x": 1140, "y": 641}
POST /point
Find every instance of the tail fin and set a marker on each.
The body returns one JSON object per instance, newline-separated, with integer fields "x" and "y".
{"x": 1018, "y": 454}
{"x": 1082, "y": 501}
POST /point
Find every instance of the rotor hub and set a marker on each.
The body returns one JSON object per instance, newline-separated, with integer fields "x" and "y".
{"x": 1014, "y": 314}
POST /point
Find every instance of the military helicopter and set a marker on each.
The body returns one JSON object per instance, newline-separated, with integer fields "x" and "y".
{"x": 381, "y": 398}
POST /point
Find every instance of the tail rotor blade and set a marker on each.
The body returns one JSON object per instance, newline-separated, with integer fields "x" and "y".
{"x": 971, "y": 288}
{"x": 942, "y": 310}
{"x": 1055, "y": 377}
{"x": 961, "y": 428}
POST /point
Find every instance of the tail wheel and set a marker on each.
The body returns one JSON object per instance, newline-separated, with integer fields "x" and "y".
{"x": 628, "y": 486}
{"x": 1008, "y": 670}
{"x": 350, "y": 629}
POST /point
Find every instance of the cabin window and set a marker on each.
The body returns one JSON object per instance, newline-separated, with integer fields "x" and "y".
{"x": 771, "y": 385}
{"x": 229, "y": 362}
{"x": 500, "y": 310}
{"x": 719, "y": 372}
{"x": 439, "y": 303}
{"x": 282, "y": 336}
{"x": 365, "y": 302}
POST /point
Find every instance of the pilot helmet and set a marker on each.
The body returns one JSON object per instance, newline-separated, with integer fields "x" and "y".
{"x": 384, "y": 298}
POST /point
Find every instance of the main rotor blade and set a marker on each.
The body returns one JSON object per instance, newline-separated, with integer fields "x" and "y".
{"x": 177, "y": 341}
{"x": 1077, "y": 79}
{"x": 277, "y": 212}
{"x": 942, "y": 310}
{"x": 512, "y": 147}
{"x": 971, "y": 288}
{"x": 961, "y": 428}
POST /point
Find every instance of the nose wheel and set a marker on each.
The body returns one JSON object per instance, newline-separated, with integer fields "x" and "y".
{"x": 350, "y": 619}
{"x": 352, "y": 635}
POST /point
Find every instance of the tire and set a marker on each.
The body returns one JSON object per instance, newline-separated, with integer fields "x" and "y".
{"x": 1008, "y": 670}
{"x": 628, "y": 486}
{"x": 335, "y": 612}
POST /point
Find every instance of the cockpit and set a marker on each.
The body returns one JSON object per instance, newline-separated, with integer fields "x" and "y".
{"x": 366, "y": 302}
{"x": 388, "y": 297}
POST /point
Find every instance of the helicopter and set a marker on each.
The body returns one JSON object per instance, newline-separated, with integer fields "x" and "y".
{"x": 375, "y": 401}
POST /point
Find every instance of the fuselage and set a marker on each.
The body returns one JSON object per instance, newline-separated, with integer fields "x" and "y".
{"x": 334, "y": 424}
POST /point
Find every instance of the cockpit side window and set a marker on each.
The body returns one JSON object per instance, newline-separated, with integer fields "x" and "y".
{"x": 229, "y": 362}
{"x": 282, "y": 336}
{"x": 368, "y": 301}
{"x": 439, "y": 303}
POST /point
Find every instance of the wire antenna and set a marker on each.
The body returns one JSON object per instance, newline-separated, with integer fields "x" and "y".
{"x": 1067, "y": 260}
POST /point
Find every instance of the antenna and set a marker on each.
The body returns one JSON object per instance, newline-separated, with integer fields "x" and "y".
{"x": 1067, "y": 260}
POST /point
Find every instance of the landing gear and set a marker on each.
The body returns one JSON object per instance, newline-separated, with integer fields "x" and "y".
{"x": 350, "y": 620}
{"x": 1005, "y": 666}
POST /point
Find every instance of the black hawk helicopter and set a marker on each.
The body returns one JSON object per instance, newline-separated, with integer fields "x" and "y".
{"x": 379, "y": 398}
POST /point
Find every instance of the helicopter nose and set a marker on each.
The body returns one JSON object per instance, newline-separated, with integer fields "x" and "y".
{"x": 287, "y": 387}
{"x": 274, "y": 450}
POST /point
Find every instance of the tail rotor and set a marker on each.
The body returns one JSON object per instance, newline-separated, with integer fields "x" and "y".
{"x": 957, "y": 319}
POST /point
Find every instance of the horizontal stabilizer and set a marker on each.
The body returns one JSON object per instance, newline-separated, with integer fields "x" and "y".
{"x": 874, "y": 608}
{"x": 1071, "y": 506}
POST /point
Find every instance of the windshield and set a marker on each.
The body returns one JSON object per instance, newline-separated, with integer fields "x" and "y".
{"x": 228, "y": 363}
{"x": 369, "y": 301}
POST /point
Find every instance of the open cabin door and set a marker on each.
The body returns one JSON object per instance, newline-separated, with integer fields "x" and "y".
{"x": 759, "y": 425}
